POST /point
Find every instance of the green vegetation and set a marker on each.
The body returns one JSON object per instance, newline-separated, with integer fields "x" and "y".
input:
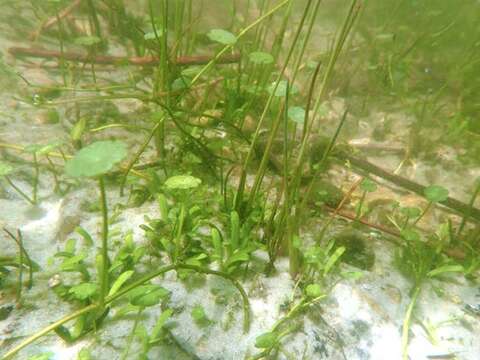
{"x": 228, "y": 132}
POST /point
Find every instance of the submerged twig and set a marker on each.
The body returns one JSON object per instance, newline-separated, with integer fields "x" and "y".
{"x": 112, "y": 60}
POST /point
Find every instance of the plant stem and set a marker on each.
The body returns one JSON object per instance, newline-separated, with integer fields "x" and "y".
{"x": 35, "y": 179}
{"x": 429, "y": 205}
{"x": 19, "y": 191}
{"x": 470, "y": 206}
{"x": 104, "y": 286}
{"x": 360, "y": 205}
{"x": 125, "y": 290}
{"x": 132, "y": 334}
{"x": 406, "y": 322}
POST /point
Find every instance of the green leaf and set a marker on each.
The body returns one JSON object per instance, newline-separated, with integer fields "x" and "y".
{"x": 199, "y": 316}
{"x": 83, "y": 291}
{"x": 260, "y": 58}
{"x": 45, "y": 149}
{"x": 120, "y": 281}
{"x": 182, "y": 182}
{"x": 5, "y": 169}
{"x": 147, "y": 295}
{"x": 313, "y": 290}
{"x": 84, "y": 354}
{"x": 87, "y": 40}
{"x": 296, "y": 114}
{"x": 222, "y": 36}
{"x": 436, "y": 193}
{"x": 96, "y": 159}
{"x": 282, "y": 89}
{"x": 85, "y": 235}
{"x": 333, "y": 259}
{"x": 368, "y": 185}
{"x": 445, "y": 269}
{"x": 410, "y": 235}
{"x": 43, "y": 356}
{"x": 266, "y": 340}
{"x": 78, "y": 129}
{"x": 411, "y": 212}
{"x": 162, "y": 319}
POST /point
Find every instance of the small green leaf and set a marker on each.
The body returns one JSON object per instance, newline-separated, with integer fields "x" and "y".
{"x": 83, "y": 291}
{"x": 296, "y": 114}
{"x": 120, "y": 281}
{"x": 78, "y": 129}
{"x": 199, "y": 316}
{"x": 84, "y": 354}
{"x": 436, "y": 193}
{"x": 313, "y": 290}
{"x": 266, "y": 340}
{"x": 333, "y": 259}
{"x": 147, "y": 295}
{"x": 162, "y": 319}
{"x": 85, "y": 235}
{"x": 411, "y": 212}
{"x": 87, "y": 40}
{"x": 5, "y": 169}
{"x": 182, "y": 182}
{"x": 410, "y": 235}
{"x": 222, "y": 36}
{"x": 368, "y": 185}
{"x": 43, "y": 356}
{"x": 445, "y": 269}
{"x": 260, "y": 58}
{"x": 96, "y": 159}
{"x": 281, "y": 89}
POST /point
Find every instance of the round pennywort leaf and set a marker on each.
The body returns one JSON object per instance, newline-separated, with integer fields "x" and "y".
{"x": 296, "y": 114}
{"x": 260, "y": 58}
{"x": 222, "y": 36}
{"x": 436, "y": 193}
{"x": 96, "y": 159}
{"x": 182, "y": 182}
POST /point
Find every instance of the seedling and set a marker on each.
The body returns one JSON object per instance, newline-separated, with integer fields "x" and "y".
{"x": 94, "y": 161}
{"x": 434, "y": 194}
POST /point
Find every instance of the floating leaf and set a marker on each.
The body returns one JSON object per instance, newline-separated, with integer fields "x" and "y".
{"x": 313, "y": 290}
{"x": 222, "y": 36}
{"x": 266, "y": 340}
{"x": 368, "y": 185}
{"x": 5, "y": 169}
{"x": 260, "y": 58}
{"x": 88, "y": 40}
{"x": 282, "y": 88}
{"x": 83, "y": 291}
{"x": 436, "y": 193}
{"x": 182, "y": 182}
{"x": 296, "y": 114}
{"x": 96, "y": 159}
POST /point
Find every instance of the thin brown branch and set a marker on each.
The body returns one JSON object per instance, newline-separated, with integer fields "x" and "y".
{"x": 112, "y": 60}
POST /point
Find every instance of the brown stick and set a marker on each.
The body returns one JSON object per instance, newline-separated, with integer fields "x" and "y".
{"x": 112, "y": 60}
{"x": 53, "y": 20}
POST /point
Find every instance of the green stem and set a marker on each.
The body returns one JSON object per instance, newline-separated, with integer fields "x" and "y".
{"x": 132, "y": 334}
{"x": 35, "y": 179}
{"x": 406, "y": 322}
{"x": 137, "y": 155}
{"x": 360, "y": 205}
{"x": 19, "y": 191}
{"x": 104, "y": 251}
{"x": 125, "y": 290}
{"x": 423, "y": 213}
{"x": 470, "y": 206}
